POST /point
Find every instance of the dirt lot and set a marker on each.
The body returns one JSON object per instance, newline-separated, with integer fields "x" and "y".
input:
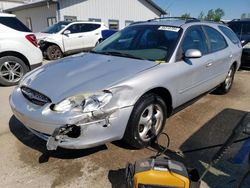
{"x": 25, "y": 162}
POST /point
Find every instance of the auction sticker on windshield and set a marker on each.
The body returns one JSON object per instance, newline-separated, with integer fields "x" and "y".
{"x": 167, "y": 28}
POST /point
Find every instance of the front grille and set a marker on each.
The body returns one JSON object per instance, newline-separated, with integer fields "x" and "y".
{"x": 35, "y": 96}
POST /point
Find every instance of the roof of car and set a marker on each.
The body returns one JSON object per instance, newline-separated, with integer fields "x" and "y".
{"x": 84, "y": 21}
{"x": 7, "y": 15}
{"x": 175, "y": 22}
{"x": 240, "y": 20}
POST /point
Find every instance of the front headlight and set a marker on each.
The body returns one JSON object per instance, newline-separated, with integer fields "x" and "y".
{"x": 84, "y": 102}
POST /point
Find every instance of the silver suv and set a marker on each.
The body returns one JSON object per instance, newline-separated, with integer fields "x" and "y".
{"x": 128, "y": 85}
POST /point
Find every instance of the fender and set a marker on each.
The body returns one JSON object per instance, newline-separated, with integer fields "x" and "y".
{"x": 57, "y": 40}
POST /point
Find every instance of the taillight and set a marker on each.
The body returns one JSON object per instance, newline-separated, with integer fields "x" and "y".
{"x": 32, "y": 39}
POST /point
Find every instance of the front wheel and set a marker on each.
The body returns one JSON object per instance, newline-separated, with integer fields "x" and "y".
{"x": 228, "y": 82}
{"x": 146, "y": 121}
{"x": 54, "y": 52}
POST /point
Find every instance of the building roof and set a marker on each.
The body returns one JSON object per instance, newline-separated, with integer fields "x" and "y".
{"x": 30, "y": 5}
{"x": 156, "y": 6}
{"x": 44, "y": 2}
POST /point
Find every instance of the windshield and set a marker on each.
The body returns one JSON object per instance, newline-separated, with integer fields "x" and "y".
{"x": 56, "y": 27}
{"x": 150, "y": 42}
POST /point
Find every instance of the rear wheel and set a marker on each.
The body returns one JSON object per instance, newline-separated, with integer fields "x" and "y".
{"x": 146, "y": 121}
{"x": 54, "y": 52}
{"x": 227, "y": 84}
{"x": 12, "y": 69}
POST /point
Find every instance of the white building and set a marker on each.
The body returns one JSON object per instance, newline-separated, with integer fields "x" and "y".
{"x": 116, "y": 14}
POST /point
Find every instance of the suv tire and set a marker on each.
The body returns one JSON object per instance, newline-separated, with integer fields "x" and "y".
{"x": 54, "y": 52}
{"x": 12, "y": 69}
{"x": 146, "y": 121}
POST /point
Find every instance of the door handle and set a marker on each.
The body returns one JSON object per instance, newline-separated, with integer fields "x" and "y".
{"x": 80, "y": 36}
{"x": 97, "y": 34}
{"x": 209, "y": 64}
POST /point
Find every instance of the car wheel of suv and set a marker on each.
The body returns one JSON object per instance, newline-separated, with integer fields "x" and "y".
{"x": 227, "y": 84}
{"x": 12, "y": 70}
{"x": 146, "y": 121}
{"x": 54, "y": 52}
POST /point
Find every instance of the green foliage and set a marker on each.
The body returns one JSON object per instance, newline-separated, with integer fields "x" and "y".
{"x": 201, "y": 16}
{"x": 215, "y": 15}
{"x": 185, "y": 16}
{"x": 244, "y": 15}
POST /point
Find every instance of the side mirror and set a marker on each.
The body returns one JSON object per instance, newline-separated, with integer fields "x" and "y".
{"x": 193, "y": 53}
{"x": 66, "y": 32}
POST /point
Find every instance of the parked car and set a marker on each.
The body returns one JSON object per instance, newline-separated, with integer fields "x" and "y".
{"x": 19, "y": 52}
{"x": 69, "y": 37}
{"x": 128, "y": 85}
{"x": 242, "y": 29}
{"x": 107, "y": 33}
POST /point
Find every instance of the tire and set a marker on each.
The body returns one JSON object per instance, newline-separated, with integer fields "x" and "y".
{"x": 54, "y": 52}
{"x": 227, "y": 84}
{"x": 142, "y": 128}
{"x": 12, "y": 69}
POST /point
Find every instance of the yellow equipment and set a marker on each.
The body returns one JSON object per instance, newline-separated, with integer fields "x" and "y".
{"x": 159, "y": 173}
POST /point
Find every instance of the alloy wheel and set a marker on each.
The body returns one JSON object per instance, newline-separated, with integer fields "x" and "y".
{"x": 150, "y": 122}
{"x": 229, "y": 79}
{"x": 11, "y": 71}
{"x": 56, "y": 53}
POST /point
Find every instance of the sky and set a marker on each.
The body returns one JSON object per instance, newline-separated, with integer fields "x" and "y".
{"x": 232, "y": 8}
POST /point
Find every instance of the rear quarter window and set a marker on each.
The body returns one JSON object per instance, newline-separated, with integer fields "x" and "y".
{"x": 14, "y": 23}
{"x": 215, "y": 38}
{"x": 230, "y": 34}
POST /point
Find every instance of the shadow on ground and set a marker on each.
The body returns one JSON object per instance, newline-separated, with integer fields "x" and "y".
{"x": 216, "y": 131}
{"x": 30, "y": 140}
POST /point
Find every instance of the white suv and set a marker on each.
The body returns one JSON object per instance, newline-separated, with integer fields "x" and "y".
{"x": 69, "y": 37}
{"x": 19, "y": 52}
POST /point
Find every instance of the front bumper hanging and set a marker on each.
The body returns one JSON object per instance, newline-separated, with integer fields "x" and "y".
{"x": 62, "y": 134}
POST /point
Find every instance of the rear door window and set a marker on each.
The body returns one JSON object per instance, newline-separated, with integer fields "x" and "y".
{"x": 230, "y": 34}
{"x": 14, "y": 23}
{"x": 216, "y": 40}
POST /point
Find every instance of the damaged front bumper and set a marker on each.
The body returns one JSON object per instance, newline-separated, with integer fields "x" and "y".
{"x": 69, "y": 130}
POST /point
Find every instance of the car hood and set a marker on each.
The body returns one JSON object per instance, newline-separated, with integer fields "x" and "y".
{"x": 85, "y": 73}
{"x": 42, "y": 36}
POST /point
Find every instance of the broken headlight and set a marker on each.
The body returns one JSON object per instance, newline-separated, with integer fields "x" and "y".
{"x": 84, "y": 102}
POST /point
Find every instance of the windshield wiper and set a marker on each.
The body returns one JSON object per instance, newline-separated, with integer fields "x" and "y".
{"x": 115, "y": 53}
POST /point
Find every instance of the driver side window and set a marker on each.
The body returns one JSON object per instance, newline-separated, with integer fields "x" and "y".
{"x": 194, "y": 39}
{"x": 75, "y": 28}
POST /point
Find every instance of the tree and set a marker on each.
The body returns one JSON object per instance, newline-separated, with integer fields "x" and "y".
{"x": 244, "y": 15}
{"x": 185, "y": 16}
{"x": 219, "y": 13}
{"x": 201, "y": 16}
{"x": 210, "y": 15}
{"x": 215, "y": 15}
